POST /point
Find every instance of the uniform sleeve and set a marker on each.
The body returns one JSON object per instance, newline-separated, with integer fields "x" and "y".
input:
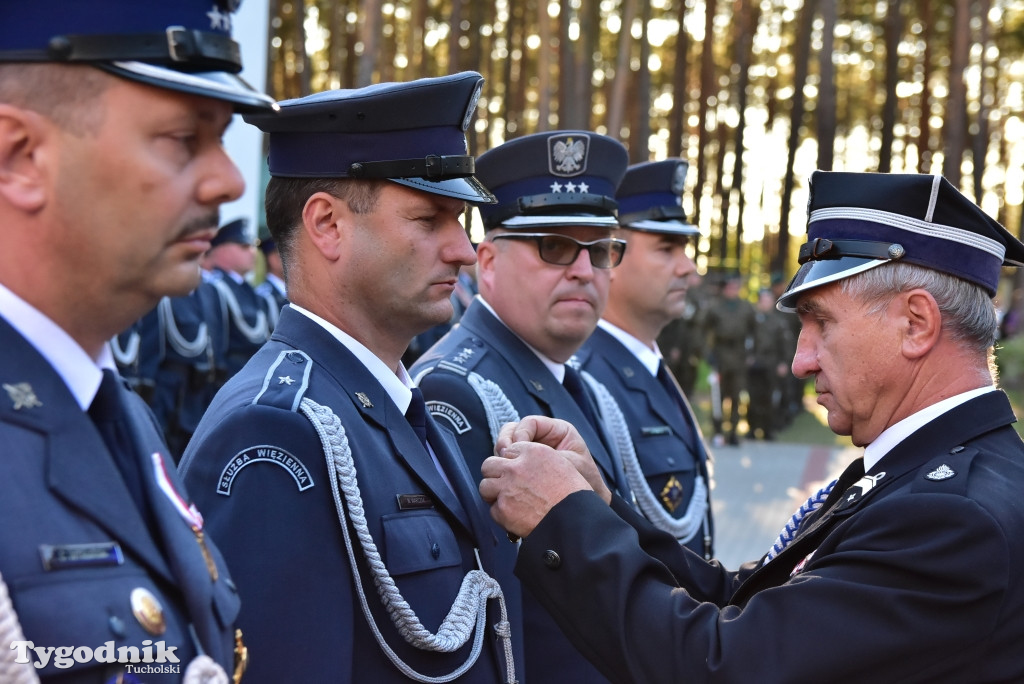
{"x": 259, "y": 478}
{"x": 893, "y": 594}
{"x": 456, "y": 406}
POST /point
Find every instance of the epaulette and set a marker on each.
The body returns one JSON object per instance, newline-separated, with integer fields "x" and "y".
{"x": 464, "y": 358}
{"x": 286, "y": 381}
{"x": 947, "y": 473}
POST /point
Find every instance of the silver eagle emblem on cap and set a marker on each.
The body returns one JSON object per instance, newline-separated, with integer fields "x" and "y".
{"x": 568, "y": 154}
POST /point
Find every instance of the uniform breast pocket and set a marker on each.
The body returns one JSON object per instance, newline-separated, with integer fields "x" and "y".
{"x": 661, "y": 451}
{"x": 422, "y": 554}
{"x": 90, "y": 607}
{"x": 418, "y": 542}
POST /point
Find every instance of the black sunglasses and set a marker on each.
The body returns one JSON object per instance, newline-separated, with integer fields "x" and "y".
{"x": 562, "y": 250}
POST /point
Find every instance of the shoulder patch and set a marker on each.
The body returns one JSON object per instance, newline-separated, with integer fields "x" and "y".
{"x": 451, "y": 415}
{"x": 265, "y": 454}
{"x": 286, "y": 381}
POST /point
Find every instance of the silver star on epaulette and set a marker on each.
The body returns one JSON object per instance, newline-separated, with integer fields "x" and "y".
{"x": 284, "y": 380}
{"x": 22, "y": 396}
{"x": 943, "y": 472}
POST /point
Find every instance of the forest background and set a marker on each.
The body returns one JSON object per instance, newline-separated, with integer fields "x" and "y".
{"x": 755, "y": 94}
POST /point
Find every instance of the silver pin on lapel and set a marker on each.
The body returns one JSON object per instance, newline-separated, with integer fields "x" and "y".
{"x": 22, "y": 395}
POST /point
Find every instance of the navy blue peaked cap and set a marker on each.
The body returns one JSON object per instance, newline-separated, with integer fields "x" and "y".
{"x": 236, "y": 231}
{"x": 650, "y": 198}
{"x": 184, "y": 45}
{"x": 412, "y": 133}
{"x": 553, "y": 179}
{"x": 857, "y": 221}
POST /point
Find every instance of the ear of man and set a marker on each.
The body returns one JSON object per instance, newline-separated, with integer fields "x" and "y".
{"x": 923, "y": 322}
{"x": 23, "y": 158}
{"x": 326, "y": 220}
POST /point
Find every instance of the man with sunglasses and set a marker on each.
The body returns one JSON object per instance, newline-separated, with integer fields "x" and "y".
{"x": 665, "y": 459}
{"x": 543, "y": 273}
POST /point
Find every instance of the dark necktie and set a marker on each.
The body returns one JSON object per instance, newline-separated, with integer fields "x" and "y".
{"x": 416, "y": 414}
{"x": 573, "y": 383}
{"x": 676, "y": 395}
{"x": 108, "y": 414}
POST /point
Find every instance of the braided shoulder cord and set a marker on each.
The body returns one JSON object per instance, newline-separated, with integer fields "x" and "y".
{"x": 683, "y": 528}
{"x": 497, "y": 406}
{"x": 128, "y": 354}
{"x": 11, "y": 671}
{"x": 256, "y": 333}
{"x": 468, "y": 612}
{"x": 788, "y": 533}
{"x": 274, "y": 312}
{"x": 186, "y": 348}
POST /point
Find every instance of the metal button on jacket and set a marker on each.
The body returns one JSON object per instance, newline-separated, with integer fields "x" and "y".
{"x": 552, "y": 559}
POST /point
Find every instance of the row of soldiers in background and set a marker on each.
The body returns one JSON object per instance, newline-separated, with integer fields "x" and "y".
{"x": 179, "y": 354}
{"x": 747, "y": 348}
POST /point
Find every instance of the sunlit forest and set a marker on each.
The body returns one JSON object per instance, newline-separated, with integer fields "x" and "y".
{"x": 754, "y": 94}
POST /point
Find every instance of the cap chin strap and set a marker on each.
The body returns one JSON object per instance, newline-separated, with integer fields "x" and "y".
{"x": 431, "y": 167}
{"x": 653, "y": 214}
{"x": 822, "y": 248}
{"x": 176, "y": 47}
{"x": 556, "y": 203}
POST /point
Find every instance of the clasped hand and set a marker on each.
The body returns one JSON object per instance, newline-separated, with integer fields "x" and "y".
{"x": 538, "y": 462}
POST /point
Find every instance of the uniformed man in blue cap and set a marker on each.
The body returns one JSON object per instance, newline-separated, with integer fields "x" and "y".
{"x": 243, "y": 318}
{"x": 910, "y": 567}
{"x": 542, "y": 272}
{"x": 363, "y": 550}
{"x": 111, "y": 175}
{"x": 665, "y": 459}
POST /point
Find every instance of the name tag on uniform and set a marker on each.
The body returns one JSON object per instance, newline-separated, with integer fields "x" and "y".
{"x": 413, "y": 502}
{"x": 62, "y": 557}
{"x": 655, "y": 431}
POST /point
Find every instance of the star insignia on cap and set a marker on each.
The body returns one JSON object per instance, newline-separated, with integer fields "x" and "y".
{"x": 570, "y": 187}
{"x": 943, "y": 472}
{"x": 22, "y": 395}
{"x": 284, "y": 380}
{"x": 584, "y": 187}
{"x": 218, "y": 19}
{"x": 556, "y": 187}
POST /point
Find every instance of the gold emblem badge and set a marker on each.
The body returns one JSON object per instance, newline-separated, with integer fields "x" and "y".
{"x": 672, "y": 494}
{"x": 148, "y": 611}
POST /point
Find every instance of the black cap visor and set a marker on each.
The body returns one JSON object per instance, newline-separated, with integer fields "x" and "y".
{"x": 468, "y": 189}
{"x": 218, "y": 85}
{"x": 821, "y": 272}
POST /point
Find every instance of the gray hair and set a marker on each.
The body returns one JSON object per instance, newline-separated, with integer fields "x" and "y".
{"x": 968, "y": 313}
